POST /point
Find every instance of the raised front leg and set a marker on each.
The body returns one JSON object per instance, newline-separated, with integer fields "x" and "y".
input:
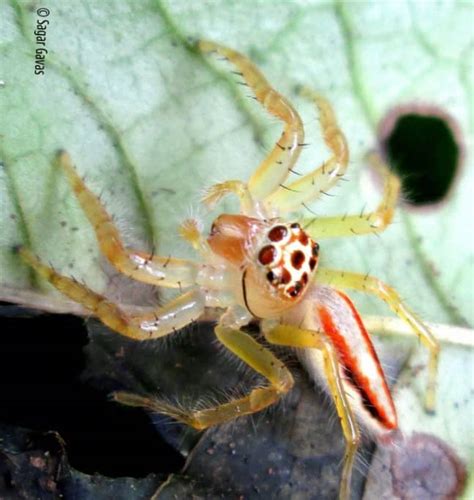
{"x": 355, "y": 225}
{"x": 373, "y": 286}
{"x": 256, "y": 356}
{"x": 274, "y": 169}
{"x": 296, "y": 337}
{"x": 141, "y": 266}
{"x": 313, "y": 185}
{"x": 162, "y": 321}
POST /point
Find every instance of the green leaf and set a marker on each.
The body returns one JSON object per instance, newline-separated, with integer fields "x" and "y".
{"x": 150, "y": 123}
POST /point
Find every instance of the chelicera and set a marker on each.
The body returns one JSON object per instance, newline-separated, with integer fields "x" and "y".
{"x": 257, "y": 266}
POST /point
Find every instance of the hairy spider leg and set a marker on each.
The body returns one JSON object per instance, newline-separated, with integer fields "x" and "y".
{"x": 293, "y": 336}
{"x": 274, "y": 169}
{"x": 319, "y": 181}
{"x": 213, "y": 194}
{"x": 140, "y": 266}
{"x": 162, "y": 321}
{"x": 257, "y": 357}
{"x": 372, "y": 222}
{"x": 373, "y": 286}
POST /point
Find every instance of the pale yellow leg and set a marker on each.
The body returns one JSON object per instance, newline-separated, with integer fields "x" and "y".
{"x": 296, "y": 337}
{"x": 248, "y": 206}
{"x": 311, "y": 186}
{"x": 274, "y": 169}
{"x": 371, "y": 285}
{"x": 372, "y": 222}
{"x": 256, "y": 356}
{"x": 140, "y": 266}
{"x": 163, "y": 321}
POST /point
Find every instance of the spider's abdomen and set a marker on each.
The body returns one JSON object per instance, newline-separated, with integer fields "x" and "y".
{"x": 288, "y": 257}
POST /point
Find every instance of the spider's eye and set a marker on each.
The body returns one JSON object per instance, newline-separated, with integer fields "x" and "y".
{"x": 315, "y": 249}
{"x": 295, "y": 225}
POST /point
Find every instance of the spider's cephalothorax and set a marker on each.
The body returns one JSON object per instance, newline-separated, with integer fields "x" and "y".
{"x": 288, "y": 257}
{"x": 277, "y": 261}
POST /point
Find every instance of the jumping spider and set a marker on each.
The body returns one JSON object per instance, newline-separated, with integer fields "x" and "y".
{"x": 257, "y": 266}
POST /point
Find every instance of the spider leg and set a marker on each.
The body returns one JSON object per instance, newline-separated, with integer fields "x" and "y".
{"x": 373, "y": 222}
{"x": 296, "y": 337}
{"x": 213, "y": 194}
{"x": 274, "y": 169}
{"x": 141, "y": 266}
{"x": 256, "y": 356}
{"x": 311, "y": 186}
{"x": 374, "y": 286}
{"x": 162, "y": 321}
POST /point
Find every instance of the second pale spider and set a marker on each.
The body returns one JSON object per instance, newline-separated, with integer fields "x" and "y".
{"x": 255, "y": 265}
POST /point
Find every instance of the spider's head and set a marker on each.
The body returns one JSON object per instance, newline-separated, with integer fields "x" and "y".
{"x": 287, "y": 257}
{"x": 277, "y": 261}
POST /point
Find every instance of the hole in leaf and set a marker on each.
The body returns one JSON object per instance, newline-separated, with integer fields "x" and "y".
{"x": 422, "y": 147}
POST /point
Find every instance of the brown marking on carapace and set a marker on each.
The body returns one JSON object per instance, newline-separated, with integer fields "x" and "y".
{"x": 285, "y": 276}
{"x": 304, "y": 279}
{"x": 312, "y": 264}
{"x": 315, "y": 249}
{"x": 303, "y": 238}
{"x": 297, "y": 259}
{"x": 277, "y": 233}
{"x": 295, "y": 290}
{"x": 267, "y": 255}
{"x": 350, "y": 364}
{"x": 231, "y": 236}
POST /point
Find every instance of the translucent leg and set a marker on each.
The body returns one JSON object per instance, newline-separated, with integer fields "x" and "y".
{"x": 311, "y": 186}
{"x": 373, "y": 222}
{"x": 152, "y": 269}
{"x": 371, "y": 285}
{"x": 256, "y": 356}
{"x": 248, "y": 206}
{"x": 174, "y": 315}
{"x": 275, "y": 167}
{"x": 296, "y": 337}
